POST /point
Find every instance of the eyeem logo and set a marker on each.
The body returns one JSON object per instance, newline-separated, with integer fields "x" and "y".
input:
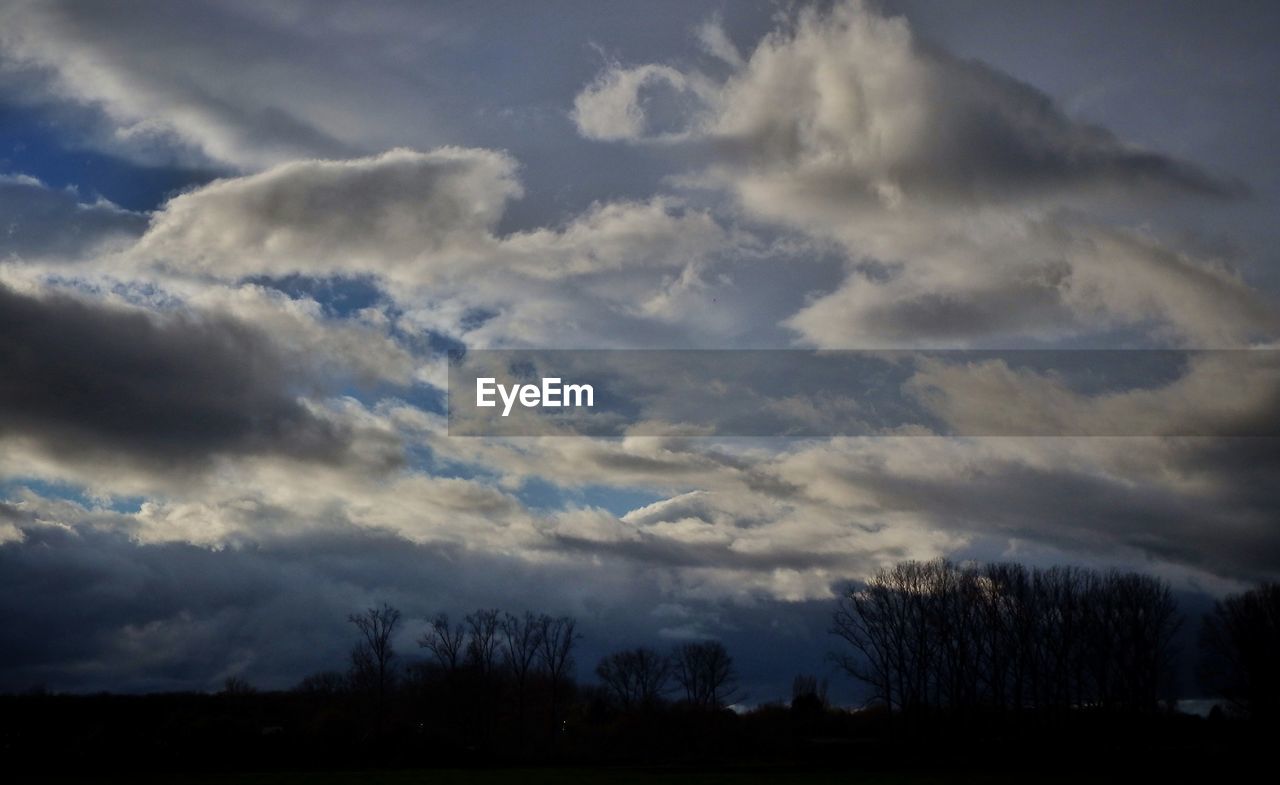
{"x": 550, "y": 394}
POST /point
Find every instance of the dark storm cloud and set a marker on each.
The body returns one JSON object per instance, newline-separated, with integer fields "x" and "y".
{"x": 91, "y": 380}
{"x": 666, "y": 552}
{"x": 1248, "y": 466}
{"x": 1229, "y": 531}
{"x": 87, "y": 608}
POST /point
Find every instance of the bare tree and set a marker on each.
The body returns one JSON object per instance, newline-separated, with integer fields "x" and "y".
{"x": 1240, "y": 651}
{"x": 483, "y": 642}
{"x": 928, "y": 635}
{"x": 557, "y": 636}
{"x": 236, "y": 685}
{"x": 861, "y": 619}
{"x": 324, "y": 683}
{"x": 446, "y": 643}
{"x": 521, "y": 637}
{"x": 373, "y": 657}
{"x": 883, "y": 623}
{"x": 705, "y": 672}
{"x": 808, "y": 692}
{"x": 635, "y": 678}
{"x": 1129, "y": 652}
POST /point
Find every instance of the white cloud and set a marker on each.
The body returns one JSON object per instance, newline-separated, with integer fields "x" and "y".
{"x": 424, "y": 226}
{"x": 714, "y": 39}
{"x": 962, "y": 196}
{"x": 648, "y": 102}
{"x": 393, "y": 214}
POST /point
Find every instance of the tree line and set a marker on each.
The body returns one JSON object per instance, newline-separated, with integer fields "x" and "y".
{"x": 1049, "y": 656}
{"x": 497, "y": 673}
{"x": 938, "y": 636}
{"x": 1052, "y": 658}
{"x": 925, "y": 637}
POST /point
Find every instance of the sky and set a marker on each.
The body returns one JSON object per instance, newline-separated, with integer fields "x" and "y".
{"x": 238, "y": 241}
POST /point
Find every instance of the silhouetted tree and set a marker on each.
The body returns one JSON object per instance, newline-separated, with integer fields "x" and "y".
{"x": 448, "y": 644}
{"x": 808, "y": 705}
{"x": 876, "y": 621}
{"x": 373, "y": 657}
{"x": 808, "y": 691}
{"x": 556, "y": 638}
{"x": 483, "y": 642}
{"x": 930, "y": 635}
{"x": 705, "y": 672}
{"x": 1129, "y": 648}
{"x": 235, "y": 685}
{"x": 521, "y": 636}
{"x": 635, "y": 678}
{"x": 323, "y": 683}
{"x": 1240, "y": 651}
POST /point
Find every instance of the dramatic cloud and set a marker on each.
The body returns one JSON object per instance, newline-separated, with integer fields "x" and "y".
{"x": 846, "y": 105}
{"x": 83, "y": 379}
{"x": 91, "y": 610}
{"x": 947, "y": 179}
{"x": 424, "y": 227}
{"x": 221, "y": 424}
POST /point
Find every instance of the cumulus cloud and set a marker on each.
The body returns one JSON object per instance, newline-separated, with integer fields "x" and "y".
{"x": 409, "y": 217}
{"x": 645, "y": 102}
{"x": 948, "y": 182}
{"x": 383, "y": 214}
{"x": 846, "y": 105}
{"x": 424, "y": 227}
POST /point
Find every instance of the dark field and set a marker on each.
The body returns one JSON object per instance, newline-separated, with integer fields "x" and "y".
{"x": 625, "y": 776}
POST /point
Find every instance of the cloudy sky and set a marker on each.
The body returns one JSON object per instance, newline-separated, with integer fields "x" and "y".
{"x": 238, "y": 240}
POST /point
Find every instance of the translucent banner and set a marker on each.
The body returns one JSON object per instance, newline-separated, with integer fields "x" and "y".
{"x": 799, "y": 393}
